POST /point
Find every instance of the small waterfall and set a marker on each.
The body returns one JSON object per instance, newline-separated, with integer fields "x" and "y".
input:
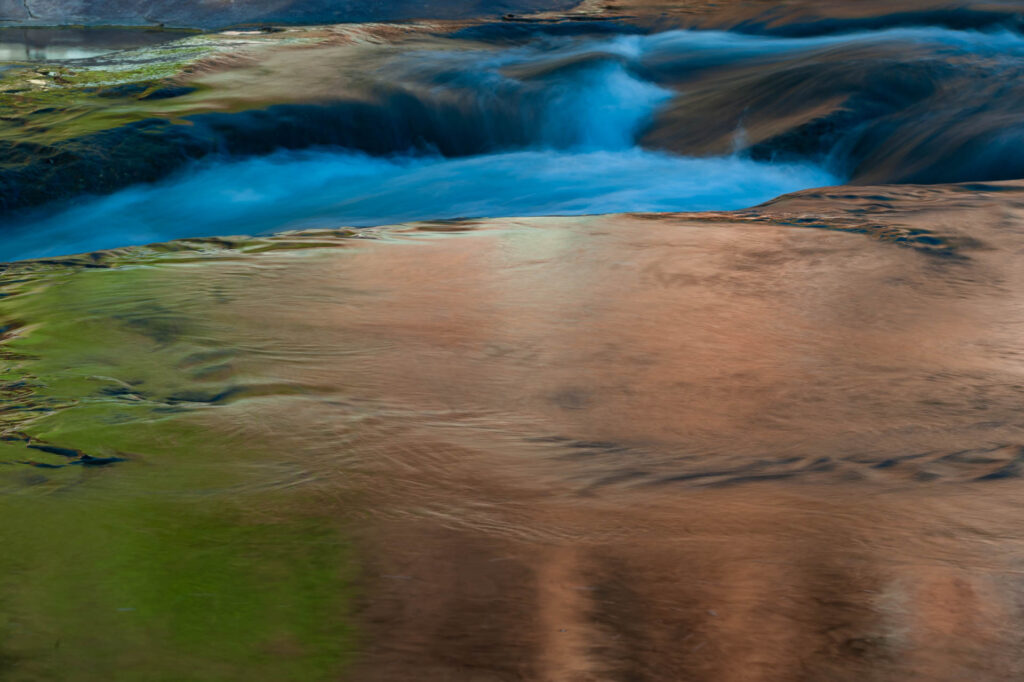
{"x": 672, "y": 121}
{"x": 604, "y": 108}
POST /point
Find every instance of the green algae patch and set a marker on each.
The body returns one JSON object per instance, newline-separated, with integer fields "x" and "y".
{"x": 50, "y": 102}
{"x": 147, "y": 534}
{"x": 95, "y": 125}
{"x": 155, "y": 589}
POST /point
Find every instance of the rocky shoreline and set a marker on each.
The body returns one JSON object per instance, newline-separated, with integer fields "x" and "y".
{"x": 93, "y": 126}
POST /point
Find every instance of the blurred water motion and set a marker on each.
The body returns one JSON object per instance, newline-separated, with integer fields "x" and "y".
{"x": 778, "y": 443}
{"x": 301, "y": 190}
{"x": 473, "y": 125}
{"x": 749, "y": 446}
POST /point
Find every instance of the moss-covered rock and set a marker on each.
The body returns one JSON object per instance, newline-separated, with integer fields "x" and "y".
{"x": 95, "y": 125}
{"x": 143, "y": 540}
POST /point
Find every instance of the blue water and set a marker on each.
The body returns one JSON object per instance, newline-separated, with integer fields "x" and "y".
{"x": 583, "y": 159}
{"x": 580, "y": 124}
{"x": 740, "y": 45}
{"x": 289, "y": 190}
{"x": 563, "y": 116}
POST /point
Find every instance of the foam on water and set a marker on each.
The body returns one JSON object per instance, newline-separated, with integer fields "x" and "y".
{"x": 604, "y": 110}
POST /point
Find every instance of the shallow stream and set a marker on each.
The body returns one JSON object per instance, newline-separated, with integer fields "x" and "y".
{"x": 556, "y": 426}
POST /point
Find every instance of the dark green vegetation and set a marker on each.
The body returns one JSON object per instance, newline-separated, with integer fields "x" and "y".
{"x": 140, "y": 540}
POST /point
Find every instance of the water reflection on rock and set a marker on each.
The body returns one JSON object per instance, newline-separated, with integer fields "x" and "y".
{"x": 782, "y": 443}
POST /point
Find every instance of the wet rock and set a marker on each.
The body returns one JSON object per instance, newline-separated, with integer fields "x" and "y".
{"x": 222, "y": 13}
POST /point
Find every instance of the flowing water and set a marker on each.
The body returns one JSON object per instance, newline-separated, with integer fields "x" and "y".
{"x": 555, "y": 428}
{"x": 295, "y": 190}
{"x": 581, "y": 125}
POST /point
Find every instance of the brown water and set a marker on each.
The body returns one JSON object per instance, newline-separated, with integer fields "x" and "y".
{"x": 779, "y": 444}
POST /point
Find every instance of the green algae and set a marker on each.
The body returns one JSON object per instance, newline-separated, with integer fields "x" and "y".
{"x": 182, "y": 558}
{"x": 144, "y": 588}
{"x": 96, "y": 125}
{"x": 44, "y": 104}
{"x": 52, "y": 102}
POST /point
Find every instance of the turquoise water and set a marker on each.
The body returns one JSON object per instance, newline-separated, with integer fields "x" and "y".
{"x": 333, "y": 188}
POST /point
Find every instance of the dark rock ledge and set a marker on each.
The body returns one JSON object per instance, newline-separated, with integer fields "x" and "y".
{"x": 211, "y": 14}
